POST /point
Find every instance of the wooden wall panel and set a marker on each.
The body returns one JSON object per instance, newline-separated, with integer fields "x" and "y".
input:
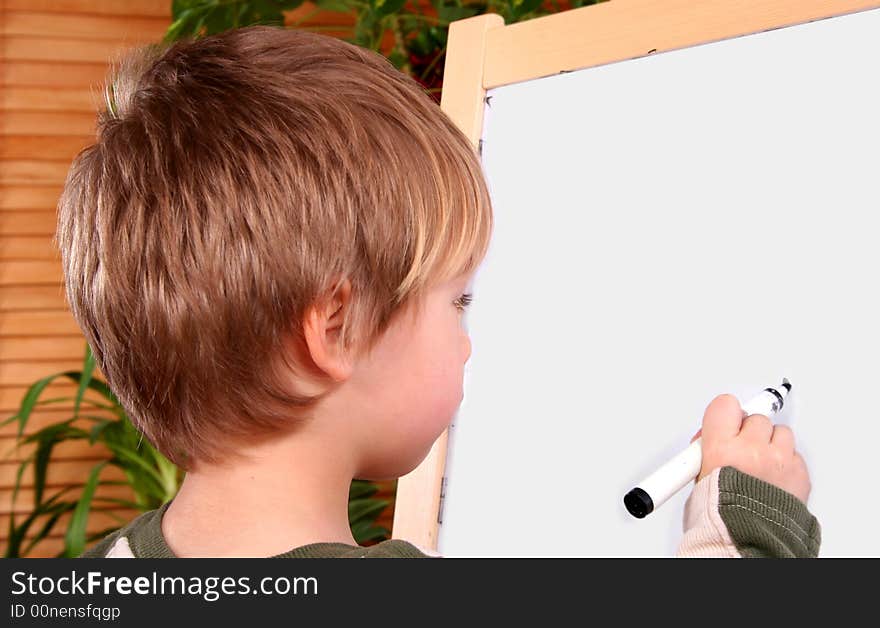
{"x": 100, "y": 519}
{"x": 11, "y": 396}
{"x": 40, "y": 222}
{"x": 16, "y": 298}
{"x": 128, "y": 29}
{"x": 25, "y": 197}
{"x": 145, "y": 8}
{"x": 55, "y": 55}
{"x": 46, "y": 415}
{"x": 25, "y": 499}
{"x": 61, "y": 124}
{"x": 30, "y": 98}
{"x": 27, "y": 347}
{"x": 20, "y": 171}
{"x": 59, "y": 473}
{"x": 18, "y": 48}
{"x": 61, "y": 147}
{"x": 45, "y": 73}
{"x": 26, "y": 248}
{"x": 69, "y": 450}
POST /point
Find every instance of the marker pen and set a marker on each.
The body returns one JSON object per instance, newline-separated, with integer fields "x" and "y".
{"x": 666, "y": 481}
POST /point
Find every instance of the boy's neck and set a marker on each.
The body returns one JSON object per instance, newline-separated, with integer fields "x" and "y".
{"x": 289, "y": 493}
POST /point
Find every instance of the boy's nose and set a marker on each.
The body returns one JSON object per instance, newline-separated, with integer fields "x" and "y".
{"x": 467, "y": 348}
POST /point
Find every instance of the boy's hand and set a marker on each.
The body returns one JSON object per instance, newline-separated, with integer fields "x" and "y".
{"x": 752, "y": 445}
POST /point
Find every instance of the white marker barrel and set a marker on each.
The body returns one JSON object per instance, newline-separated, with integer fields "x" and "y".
{"x": 653, "y": 491}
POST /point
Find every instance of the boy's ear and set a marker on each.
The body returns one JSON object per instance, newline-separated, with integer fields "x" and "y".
{"x": 321, "y": 327}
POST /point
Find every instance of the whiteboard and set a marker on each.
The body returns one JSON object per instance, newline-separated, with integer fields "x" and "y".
{"x": 669, "y": 228}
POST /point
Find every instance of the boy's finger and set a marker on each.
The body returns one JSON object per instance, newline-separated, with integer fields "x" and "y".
{"x": 697, "y": 435}
{"x": 723, "y": 417}
{"x": 783, "y": 437}
{"x": 757, "y": 427}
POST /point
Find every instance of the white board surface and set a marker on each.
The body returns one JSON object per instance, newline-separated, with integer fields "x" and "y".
{"x": 669, "y": 228}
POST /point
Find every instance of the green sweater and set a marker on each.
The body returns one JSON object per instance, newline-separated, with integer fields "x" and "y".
{"x": 728, "y": 514}
{"x": 143, "y": 539}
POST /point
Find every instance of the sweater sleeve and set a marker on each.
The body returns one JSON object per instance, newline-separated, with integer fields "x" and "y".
{"x": 732, "y": 514}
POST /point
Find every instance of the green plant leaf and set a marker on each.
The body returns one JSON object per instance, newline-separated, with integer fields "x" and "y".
{"x": 387, "y": 7}
{"x": 9, "y": 420}
{"x": 29, "y": 400}
{"x": 75, "y": 539}
{"x": 55, "y": 433}
{"x": 398, "y": 59}
{"x": 98, "y": 429}
{"x": 88, "y": 369}
{"x": 364, "y": 532}
{"x": 18, "y": 532}
{"x": 439, "y": 35}
{"x": 361, "y": 488}
{"x": 242, "y": 15}
{"x": 121, "y": 439}
{"x": 168, "y": 471}
{"x": 360, "y": 509}
{"x": 44, "y": 531}
{"x": 520, "y": 8}
{"x": 95, "y": 384}
{"x": 18, "y": 475}
{"x": 132, "y": 457}
{"x": 63, "y": 430}
{"x": 267, "y": 12}
{"x": 90, "y": 402}
{"x": 179, "y": 6}
{"x": 423, "y": 44}
{"x": 180, "y": 27}
{"x": 92, "y": 536}
{"x": 451, "y": 13}
{"x": 363, "y": 509}
{"x": 46, "y": 440}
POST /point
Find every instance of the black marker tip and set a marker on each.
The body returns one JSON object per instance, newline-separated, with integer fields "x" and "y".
{"x": 786, "y": 384}
{"x": 638, "y": 503}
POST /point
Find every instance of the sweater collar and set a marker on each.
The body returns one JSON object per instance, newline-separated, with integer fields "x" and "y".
{"x": 146, "y": 541}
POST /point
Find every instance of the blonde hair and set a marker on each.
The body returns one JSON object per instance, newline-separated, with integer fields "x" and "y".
{"x": 233, "y": 180}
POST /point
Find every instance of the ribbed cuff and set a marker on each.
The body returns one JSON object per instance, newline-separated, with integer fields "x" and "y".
{"x": 705, "y": 534}
{"x": 764, "y": 520}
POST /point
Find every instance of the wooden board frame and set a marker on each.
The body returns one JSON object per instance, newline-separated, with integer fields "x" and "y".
{"x": 484, "y": 53}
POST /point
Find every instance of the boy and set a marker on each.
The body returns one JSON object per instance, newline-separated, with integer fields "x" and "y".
{"x": 268, "y": 249}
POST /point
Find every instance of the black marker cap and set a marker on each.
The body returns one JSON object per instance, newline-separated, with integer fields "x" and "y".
{"x": 638, "y": 503}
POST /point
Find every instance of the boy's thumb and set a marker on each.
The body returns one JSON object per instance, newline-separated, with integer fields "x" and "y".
{"x": 697, "y": 435}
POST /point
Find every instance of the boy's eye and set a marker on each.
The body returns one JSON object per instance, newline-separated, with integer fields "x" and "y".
{"x": 463, "y": 301}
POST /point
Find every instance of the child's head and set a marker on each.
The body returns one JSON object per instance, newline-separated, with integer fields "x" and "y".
{"x": 260, "y": 215}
